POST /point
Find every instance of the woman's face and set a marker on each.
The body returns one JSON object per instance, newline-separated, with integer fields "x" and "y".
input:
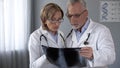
{"x": 54, "y": 23}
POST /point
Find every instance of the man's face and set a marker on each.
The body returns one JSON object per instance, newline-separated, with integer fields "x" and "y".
{"x": 77, "y": 15}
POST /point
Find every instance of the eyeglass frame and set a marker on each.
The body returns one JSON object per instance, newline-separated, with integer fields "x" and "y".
{"x": 56, "y": 21}
{"x": 75, "y": 15}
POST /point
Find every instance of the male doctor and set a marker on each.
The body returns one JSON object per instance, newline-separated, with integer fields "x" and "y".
{"x": 94, "y": 39}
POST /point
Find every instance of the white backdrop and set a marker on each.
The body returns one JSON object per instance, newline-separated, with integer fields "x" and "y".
{"x": 14, "y": 32}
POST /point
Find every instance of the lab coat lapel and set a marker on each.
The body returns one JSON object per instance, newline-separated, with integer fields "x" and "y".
{"x": 60, "y": 41}
{"x": 85, "y": 34}
{"x": 51, "y": 41}
{"x": 82, "y": 39}
{"x": 74, "y": 40}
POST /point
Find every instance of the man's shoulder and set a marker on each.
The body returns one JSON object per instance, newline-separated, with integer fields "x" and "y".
{"x": 99, "y": 26}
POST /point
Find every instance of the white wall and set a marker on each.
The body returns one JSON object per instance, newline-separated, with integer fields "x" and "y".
{"x": 93, "y": 8}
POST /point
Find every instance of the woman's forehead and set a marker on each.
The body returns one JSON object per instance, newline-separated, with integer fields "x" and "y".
{"x": 57, "y": 14}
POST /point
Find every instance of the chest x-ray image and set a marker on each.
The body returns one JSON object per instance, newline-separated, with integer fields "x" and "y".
{"x": 64, "y": 57}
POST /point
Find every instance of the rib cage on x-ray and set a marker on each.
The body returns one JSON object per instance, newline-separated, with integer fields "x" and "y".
{"x": 64, "y": 57}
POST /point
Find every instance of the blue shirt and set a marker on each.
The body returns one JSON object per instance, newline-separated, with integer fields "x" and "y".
{"x": 55, "y": 37}
{"x": 78, "y": 33}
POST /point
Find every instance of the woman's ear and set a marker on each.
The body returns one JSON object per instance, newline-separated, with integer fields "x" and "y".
{"x": 45, "y": 21}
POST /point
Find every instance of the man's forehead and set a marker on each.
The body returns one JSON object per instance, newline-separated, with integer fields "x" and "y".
{"x": 76, "y": 5}
{"x": 74, "y": 8}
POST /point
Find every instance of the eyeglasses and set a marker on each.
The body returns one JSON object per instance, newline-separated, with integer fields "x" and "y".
{"x": 56, "y": 21}
{"x": 75, "y": 15}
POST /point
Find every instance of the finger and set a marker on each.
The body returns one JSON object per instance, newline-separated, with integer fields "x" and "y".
{"x": 85, "y": 51}
{"x": 86, "y": 55}
{"x": 85, "y": 48}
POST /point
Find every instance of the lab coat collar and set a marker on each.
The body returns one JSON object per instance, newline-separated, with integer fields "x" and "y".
{"x": 74, "y": 38}
{"x": 47, "y": 34}
{"x": 91, "y": 27}
{"x": 43, "y": 31}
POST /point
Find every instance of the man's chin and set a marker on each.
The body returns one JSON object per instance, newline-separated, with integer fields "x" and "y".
{"x": 75, "y": 27}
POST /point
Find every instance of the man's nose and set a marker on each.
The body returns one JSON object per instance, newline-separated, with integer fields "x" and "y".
{"x": 73, "y": 19}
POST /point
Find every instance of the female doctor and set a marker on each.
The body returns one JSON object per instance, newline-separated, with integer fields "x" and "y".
{"x": 48, "y": 35}
{"x": 94, "y": 39}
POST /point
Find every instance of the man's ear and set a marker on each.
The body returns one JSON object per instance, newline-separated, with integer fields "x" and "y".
{"x": 87, "y": 13}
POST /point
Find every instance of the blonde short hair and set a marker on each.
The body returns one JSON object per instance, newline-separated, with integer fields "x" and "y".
{"x": 48, "y": 12}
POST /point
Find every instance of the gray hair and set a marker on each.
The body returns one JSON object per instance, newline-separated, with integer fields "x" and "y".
{"x": 77, "y": 1}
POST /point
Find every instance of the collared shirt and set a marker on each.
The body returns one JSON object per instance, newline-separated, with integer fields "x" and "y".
{"x": 78, "y": 33}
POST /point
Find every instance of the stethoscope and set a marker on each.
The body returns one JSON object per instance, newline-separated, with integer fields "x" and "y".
{"x": 43, "y": 36}
{"x": 85, "y": 42}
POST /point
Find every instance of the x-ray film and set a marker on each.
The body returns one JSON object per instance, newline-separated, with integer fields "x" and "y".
{"x": 64, "y": 57}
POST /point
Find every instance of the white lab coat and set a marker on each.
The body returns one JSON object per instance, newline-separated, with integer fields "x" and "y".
{"x": 101, "y": 42}
{"x": 37, "y": 58}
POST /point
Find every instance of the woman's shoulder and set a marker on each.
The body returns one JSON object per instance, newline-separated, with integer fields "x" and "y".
{"x": 37, "y": 32}
{"x": 60, "y": 32}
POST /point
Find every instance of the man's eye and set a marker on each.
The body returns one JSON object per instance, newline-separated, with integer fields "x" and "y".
{"x": 70, "y": 15}
{"x": 77, "y": 15}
